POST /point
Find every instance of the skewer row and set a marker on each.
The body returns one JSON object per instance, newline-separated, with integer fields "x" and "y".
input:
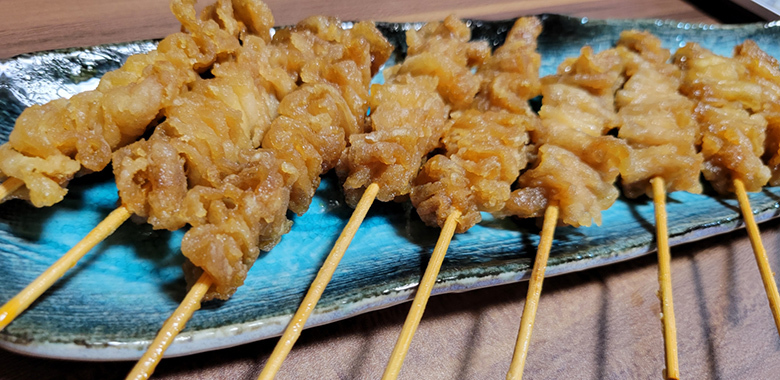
{"x": 422, "y": 47}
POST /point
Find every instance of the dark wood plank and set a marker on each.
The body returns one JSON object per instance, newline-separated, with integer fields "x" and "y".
{"x": 35, "y": 25}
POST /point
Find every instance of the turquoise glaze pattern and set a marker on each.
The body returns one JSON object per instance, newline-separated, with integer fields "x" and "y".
{"x": 112, "y": 304}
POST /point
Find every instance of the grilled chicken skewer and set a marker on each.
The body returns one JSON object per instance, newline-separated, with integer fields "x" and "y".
{"x": 313, "y": 125}
{"x": 485, "y": 150}
{"x": 572, "y": 179}
{"x": 658, "y": 124}
{"x": 53, "y": 142}
{"x": 409, "y": 115}
{"x": 207, "y": 42}
{"x": 214, "y": 129}
{"x": 735, "y": 103}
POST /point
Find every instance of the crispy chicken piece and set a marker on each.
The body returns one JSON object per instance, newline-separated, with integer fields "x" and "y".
{"x": 733, "y": 134}
{"x": 485, "y": 152}
{"x": 232, "y": 157}
{"x": 763, "y": 70}
{"x": 201, "y": 167}
{"x": 344, "y": 59}
{"x": 52, "y": 143}
{"x": 201, "y": 141}
{"x": 485, "y": 149}
{"x": 562, "y": 179}
{"x": 442, "y": 50}
{"x": 577, "y": 111}
{"x": 408, "y": 117}
{"x": 657, "y": 121}
{"x": 410, "y": 112}
{"x": 511, "y": 76}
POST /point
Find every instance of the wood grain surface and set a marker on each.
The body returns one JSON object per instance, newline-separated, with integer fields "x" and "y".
{"x": 598, "y": 324}
{"x": 34, "y": 25}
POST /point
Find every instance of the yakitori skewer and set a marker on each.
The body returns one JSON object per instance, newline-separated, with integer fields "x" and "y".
{"x": 409, "y": 115}
{"x": 658, "y": 124}
{"x": 485, "y": 150}
{"x": 534, "y": 292}
{"x": 51, "y": 143}
{"x": 421, "y": 298}
{"x": 315, "y": 120}
{"x": 232, "y": 107}
{"x": 763, "y": 70}
{"x": 767, "y": 275}
{"x": 735, "y": 102}
{"x": 155, "y": 79}
{"x": 577, "y": 164}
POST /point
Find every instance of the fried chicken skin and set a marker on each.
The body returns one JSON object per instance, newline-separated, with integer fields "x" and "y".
{"x": 486, "y": 147}
{"x": 728, "y": 105}
{"x": 410, "y": 112}
{"x": 53, "y": 142}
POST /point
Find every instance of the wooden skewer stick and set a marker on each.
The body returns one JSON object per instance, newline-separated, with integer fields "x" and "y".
{"x": 672, "y": 370}
{"x": 767, "y": 276}
{"x": 172, "y": 327}
{"x": 421, "y": 298}
{"x": 294, "y": 328}
{"x": 21, "y": 301}
{"x": 534, "y": 291}
{"x": 9, "y": 186}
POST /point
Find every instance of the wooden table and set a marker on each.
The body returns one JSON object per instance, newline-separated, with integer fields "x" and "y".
{"x": 598, "y": 324}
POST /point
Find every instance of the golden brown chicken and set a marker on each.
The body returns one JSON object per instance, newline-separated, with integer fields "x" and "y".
{"x": 232, "y": 156}
{"x": 511, "y": 76}
{"x": 410, "y": 112}
{"x": 485, "y": 149}
{"x": 312, "y": 137}
{"x": 733, "y": 133}
{"x": 656, "y": 120}
{"x": 200, "y": 167}
{"x": 577, "y": 162}
{"x": 763, "y": 70}
{"x": 52, "y": 143}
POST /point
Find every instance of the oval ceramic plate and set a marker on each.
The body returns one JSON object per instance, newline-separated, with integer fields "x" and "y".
{"x": 112, "y": 304}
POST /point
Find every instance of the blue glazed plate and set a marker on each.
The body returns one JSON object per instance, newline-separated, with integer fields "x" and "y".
{"x": 111, "y": 305}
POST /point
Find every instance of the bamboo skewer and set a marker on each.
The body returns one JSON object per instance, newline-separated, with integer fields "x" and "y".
{"x": 672, "y": 370}
{"x": 421, "y": 298}
{"x": 146, "y": 365}
{"x": 9, "y": 186}
{"x": 294, "y": 328}
{"x": 534, "y": 291}
{"x": 28, "y": 295}
{"x": 664, "y": 278}
{"x": 767, "y": 276}
{"x": 172, "y": 327}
